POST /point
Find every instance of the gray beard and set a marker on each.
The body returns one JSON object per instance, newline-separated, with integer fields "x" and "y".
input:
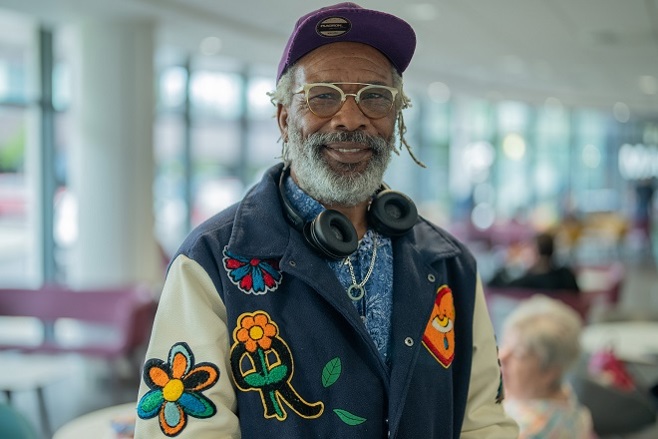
{"x": 331, "y": 187}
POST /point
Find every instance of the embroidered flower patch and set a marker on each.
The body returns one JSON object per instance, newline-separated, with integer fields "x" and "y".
{"x": 176, "y": 387}
{"x": 252, "y": 276}
{"x": 255, "y": 337}
{"x": 256, "y": 331}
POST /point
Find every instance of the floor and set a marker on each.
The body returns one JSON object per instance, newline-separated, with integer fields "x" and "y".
{"x": 89, "y": 386}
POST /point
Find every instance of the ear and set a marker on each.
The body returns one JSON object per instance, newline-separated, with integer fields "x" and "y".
{"x": 282, "y": 120}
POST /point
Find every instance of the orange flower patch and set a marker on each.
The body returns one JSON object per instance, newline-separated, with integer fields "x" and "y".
{"x": 256, "y": 330}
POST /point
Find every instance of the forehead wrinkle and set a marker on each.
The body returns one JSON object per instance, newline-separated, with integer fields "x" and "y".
{"x": 336, "y": 76}
{"x": 345, "y": 62}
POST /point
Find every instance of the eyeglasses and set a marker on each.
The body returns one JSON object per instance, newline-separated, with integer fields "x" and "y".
{"x": 325, "y": 100}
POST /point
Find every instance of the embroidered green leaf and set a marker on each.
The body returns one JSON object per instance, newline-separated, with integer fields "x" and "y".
{"x": 255, "y": 380}
{"x": 277, "y": 374}
{"x": 331, "y": 372}
{"x": 272, "y": 376}
{"x": 349, "y": 418}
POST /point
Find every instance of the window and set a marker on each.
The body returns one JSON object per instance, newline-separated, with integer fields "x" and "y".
{"x": 18, "y": 203}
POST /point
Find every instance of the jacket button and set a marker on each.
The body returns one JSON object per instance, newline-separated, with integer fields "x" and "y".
{"x": 431, "y": 278}
{"x": 409, "y": 341}
{"x": 292, "y": 263}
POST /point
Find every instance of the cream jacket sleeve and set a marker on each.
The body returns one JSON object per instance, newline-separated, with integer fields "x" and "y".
{"x": 485, "y": 418}
{"x": 189, "y": 340}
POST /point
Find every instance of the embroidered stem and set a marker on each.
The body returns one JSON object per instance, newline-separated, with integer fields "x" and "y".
{"x": 263, "y": 363}
{"x": 271, "y": 393}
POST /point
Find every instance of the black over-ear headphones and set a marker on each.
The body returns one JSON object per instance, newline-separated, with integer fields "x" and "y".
{"x": 332, "y": 234}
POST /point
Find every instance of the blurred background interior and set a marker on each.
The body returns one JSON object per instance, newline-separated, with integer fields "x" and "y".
{"x": 124, "y": 124}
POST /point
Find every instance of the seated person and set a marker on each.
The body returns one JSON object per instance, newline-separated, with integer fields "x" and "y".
{"x": 540, "y": 343}
{"x": 544, "y": 273}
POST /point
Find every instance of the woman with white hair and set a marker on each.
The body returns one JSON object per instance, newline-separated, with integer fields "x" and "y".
{"x": 540, "y": 343}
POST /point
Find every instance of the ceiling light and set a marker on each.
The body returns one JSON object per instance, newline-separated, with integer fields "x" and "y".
{"x": 648, "y": 84}
{"x": 210, "y": 46}
{"x": 621, "y": 112}
{"x": 514, "y": 146}
{"x": 553, "y": 103}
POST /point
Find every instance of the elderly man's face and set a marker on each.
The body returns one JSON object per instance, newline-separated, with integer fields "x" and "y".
{"x": 339, "y": 159}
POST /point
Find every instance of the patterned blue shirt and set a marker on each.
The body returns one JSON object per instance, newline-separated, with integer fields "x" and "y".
{"x": 376, "y": 306}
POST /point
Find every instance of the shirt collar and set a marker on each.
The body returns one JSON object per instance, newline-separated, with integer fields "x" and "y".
{"x": 306, "y": 206}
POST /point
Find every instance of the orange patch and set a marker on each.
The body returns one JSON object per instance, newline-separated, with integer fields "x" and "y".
{"x": 439, "y": 336}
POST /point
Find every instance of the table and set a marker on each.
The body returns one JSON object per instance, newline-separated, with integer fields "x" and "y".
{"x": 630, "y": 340}
{"x": 95, "y": 424}
{"x": 32, "y": 372}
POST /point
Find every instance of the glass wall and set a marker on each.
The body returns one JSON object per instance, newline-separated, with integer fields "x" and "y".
{"x": 215, "y": 134}
{"x": 18, "y": 258}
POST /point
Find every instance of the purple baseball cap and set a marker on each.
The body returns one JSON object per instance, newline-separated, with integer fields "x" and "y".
{"x": 387, "y": 33}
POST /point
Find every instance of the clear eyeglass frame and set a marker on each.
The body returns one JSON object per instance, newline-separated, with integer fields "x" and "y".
{"x": 376, "y": 112}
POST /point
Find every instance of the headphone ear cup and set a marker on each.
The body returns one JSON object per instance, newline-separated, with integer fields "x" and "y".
{"x": 392, "y": 213}
{"x": 332, "y": 234}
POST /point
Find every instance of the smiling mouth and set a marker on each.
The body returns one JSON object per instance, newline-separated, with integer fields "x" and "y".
{"x": 349, "y": 154}
{"x": 349, "y": 150}
{"x": 348, "y": 147}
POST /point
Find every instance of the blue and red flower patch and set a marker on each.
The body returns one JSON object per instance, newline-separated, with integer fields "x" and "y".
{"x": 252, "y": 275}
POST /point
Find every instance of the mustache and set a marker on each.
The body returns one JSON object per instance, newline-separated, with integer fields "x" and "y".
{"x": 377, "y": 144}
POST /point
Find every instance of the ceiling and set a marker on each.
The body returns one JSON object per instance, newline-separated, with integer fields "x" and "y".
{"x": 594, "y": 53}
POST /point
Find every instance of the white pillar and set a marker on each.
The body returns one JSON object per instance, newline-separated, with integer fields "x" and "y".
{"x": 34, "y": 179}
{"x": 111, "y": 165}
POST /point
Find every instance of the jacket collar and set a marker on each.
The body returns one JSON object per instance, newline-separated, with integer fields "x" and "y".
{"x": 260, "y": 229}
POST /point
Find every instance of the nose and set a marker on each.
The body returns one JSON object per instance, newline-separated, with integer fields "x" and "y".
{"x": 349, "y": 117}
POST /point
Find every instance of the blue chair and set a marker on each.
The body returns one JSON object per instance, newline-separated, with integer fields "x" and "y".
{"x": 13, "y": 425}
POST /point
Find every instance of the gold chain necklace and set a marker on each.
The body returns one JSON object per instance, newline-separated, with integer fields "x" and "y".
{"x": 356, "y": 291}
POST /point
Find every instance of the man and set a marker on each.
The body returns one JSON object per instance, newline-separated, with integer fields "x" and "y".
{"x": 321, "y": 305}
{"x": 544, "y": 273}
